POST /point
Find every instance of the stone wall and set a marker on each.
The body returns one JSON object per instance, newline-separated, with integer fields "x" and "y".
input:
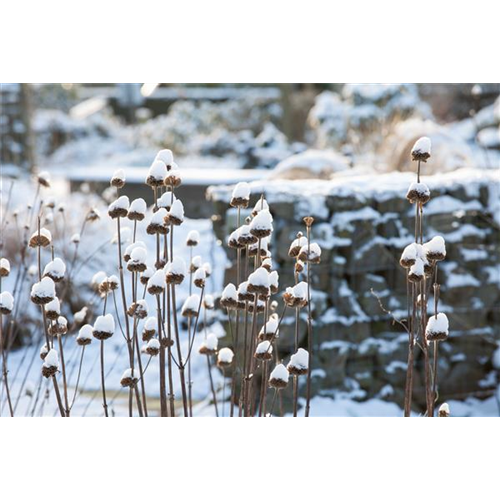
{"x": 362, "y": 224}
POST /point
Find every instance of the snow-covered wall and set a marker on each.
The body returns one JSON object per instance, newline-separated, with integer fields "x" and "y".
{"x": 363, "y": 223}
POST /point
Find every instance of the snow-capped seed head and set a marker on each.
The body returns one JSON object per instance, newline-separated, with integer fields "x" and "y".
{"x": 196, "y": 263}
{"x": 418, "y": 192}
{"x": 279, "y": 377}
{"x": 33, "y": 270}
{"x": 166, "y": 156}
{"x": 193, "y": 238}
{"x": 233, "y": 240}
{"x": 97, "y": 279}
{"x": 156, "y": 284}
{"x": 153, "y": 347}
{"x": 264, "y": 350}
{"x": 84, "y": 336}
{"x": 409, "y": 255}
{"x": 437, "y": 328}
{"x": 128, "y": 378}
{"x": 138, "y": 309}
{"x": 43, "y": 352}
{"x": 104, "y": 327}
{"x": 118, "y": 179}
{"x": 146, "y": 275}
{"x": 435, "y": 249}
{"x": 42, "y": 239}
{"x": 241, "y": 195}
{"x": 444, "y": 410}
{"x": 61, "y": 207}
{"x": 165, "y": 200}
{"x": 157, "y": 224}
{"x": 259, "y": 248}
{"x": 80, "y": 315}
{"x": 173, "y": 178}
{"x": 225, "y": 357}
{"x": 4, "y": 267}
{"x": 156, "y": 174}
{"x": 43, "y": 179}
{"x": 296, "y": 245}
{"x": 244, "y": 237}
{"x": 262, "y": 224}
{"x": 296, "y": 296}
{"x": 299, "y": 266}
{"x": 43, "y": 292}
{"x": 207, "y": 267}
{"x": 137, "y": 210}
{"x": 421, "y": 150}
{"x": 261, "y": 306}
{"x": 49, "y": 203}
{"x": 229, "y": 299}
{"x": 199, "y": 278}
{"x": 175, "y": 215}
{"x": 176, "y": 271}
{"x": 149, "y": 328}
{"x": 310, "y": 253}
{"x": 93, "y": 215}
{"x": 267, "y": 264}
{"x": 75, "y": 238}
{"x": 6, "y": 303}
{"x": 59, "y": 326}
{"x": 137, "y": 262}
{"x": 260, "y": 205}
{"x": 191, "y": 306}
{"x": 53, "y": 309}
{"x": 417, "y": 272}
{"x": 128, "y": 251}
{"x": 119, "y": 207}
{"x": 208, "y": 302}
{"x": 50, "y": 364}
{"x": 112, "y": 282}
{"x": 258, "y": 281}
{"x": 209, "y": 345}
{"x": 269, "y": 330}
{"x": 299, "y": 363}
{"x": 243, "y": 293}
{"x": 55, "y": 269}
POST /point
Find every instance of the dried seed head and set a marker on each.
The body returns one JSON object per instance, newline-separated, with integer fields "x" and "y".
{"x": 437, "y": 328}
{"x": 153, "y": 347}
{"x": 128, "y": 379}
{"x": 84, "y": 335}
{"x": 279, "y": 377}
{"x": 225, "y": 357}
{"x": 421, "y": 150}
{"x": 93, "y": 215}
{"x": 418, "y": 192}
{"x": 43, "y": 292}
{"x": 308, "y": 221}
{"x": 137, "y": 210}
{"x": 241, "y": 195}
{"x": 40, "y": 239}
{"x": 43, "y": 179}
{"x": 138, "y": 309}
{"x": 175, "y": 271}
{"x": 229, "y": 299}
{"x": 299, "y": 363}
{"x": 4, "y": 268}
{"x": 209, "y": 345}
{"x": 444, "y": 410}
{"x": 118, "y": 179}
{"x": 193, "y": 238}
{"x": 6, "y": 302}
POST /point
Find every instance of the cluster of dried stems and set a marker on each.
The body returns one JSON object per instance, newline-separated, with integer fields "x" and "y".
{"x": 244, "y": 362}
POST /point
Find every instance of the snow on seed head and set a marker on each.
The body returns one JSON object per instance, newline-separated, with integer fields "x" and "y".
{"x": 241, "y": 195}
{"x": 118, "y": 179}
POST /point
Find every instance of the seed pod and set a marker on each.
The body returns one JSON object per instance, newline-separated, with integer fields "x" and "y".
{"x": 53, "y": 309}
{"x": 84, "y": 336}
{"x": 153, "y": 347}
{"x": 42, "y": 239}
